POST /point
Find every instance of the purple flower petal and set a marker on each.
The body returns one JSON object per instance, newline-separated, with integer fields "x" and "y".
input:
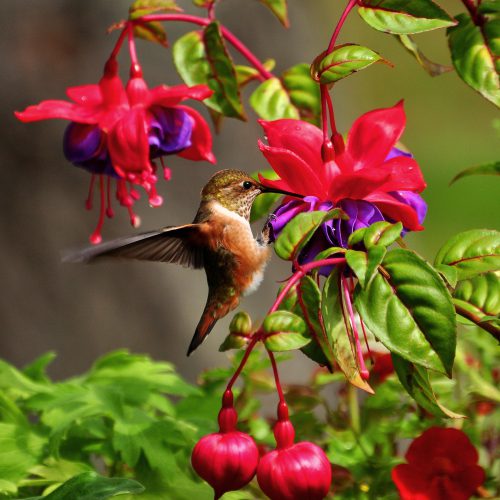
{"x": 394, "y": 152}
{"x": 170, "y": 131}
{"x": 414, "y": 200}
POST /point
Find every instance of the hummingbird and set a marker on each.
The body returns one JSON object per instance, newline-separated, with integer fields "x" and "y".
{"x": 219, "y": 239}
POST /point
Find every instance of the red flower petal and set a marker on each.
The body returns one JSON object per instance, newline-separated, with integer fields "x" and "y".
{"x": 85, "y": 95}
{"x": 411, "y": 485}
{"x": 299, "y": 137}
{"x": 394, "y": 209}
{"x": 357, "y": 185}
{"x": 128, "y": 143}
{"x": 201, "y": 138}
{"x": 276, "y": 184}
{"x": 373, "y": 135}
{"x": 405, "y": 174}
{"x": 171, "y": 96}
{"x": 300, "y": 177}
{"x": 59, "y": 109}
{"x": 470, "y": 478}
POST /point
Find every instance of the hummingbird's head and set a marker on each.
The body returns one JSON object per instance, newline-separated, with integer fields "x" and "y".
{"x": 235, "y": 190}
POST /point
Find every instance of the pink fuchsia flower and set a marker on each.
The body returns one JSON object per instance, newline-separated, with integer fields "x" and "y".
{"x": 369, "y": 178}
{"x": 382, "y": 366}
{"x": 293, "y": 471}
{"x": 120, "y": 132}
{"x": 442, "y": 463}
{"x": 228, "y": 459}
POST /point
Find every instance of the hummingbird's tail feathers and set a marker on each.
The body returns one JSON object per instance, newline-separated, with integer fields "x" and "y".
{"x": 207, "y": 322}
{"x": 171, "y": 244}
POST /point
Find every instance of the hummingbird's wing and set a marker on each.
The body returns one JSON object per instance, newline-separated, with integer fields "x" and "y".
{"x": 177, "y": 244}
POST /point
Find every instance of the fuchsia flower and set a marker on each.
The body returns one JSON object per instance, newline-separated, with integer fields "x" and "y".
{"x": 119, "y": 132}
{"x": 227, "y": 460}
{"x": 442, "y": 463}
{"x": 293, "y": 471}
{"x": 369, "y": 178}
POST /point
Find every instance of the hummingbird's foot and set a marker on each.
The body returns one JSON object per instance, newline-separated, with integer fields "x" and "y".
{"x": 266, "y": 237}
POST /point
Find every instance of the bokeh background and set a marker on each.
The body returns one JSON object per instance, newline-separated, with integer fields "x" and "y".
{"x": 80, "y": 311}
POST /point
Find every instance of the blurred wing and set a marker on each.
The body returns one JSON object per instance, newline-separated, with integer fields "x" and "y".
{"x": 178, "y": 245}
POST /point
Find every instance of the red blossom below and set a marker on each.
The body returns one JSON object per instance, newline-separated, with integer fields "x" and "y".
{"x": 442, "y": 465}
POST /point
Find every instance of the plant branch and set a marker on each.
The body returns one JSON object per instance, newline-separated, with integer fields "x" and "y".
{"x": 340, "y": 23}
{"x": 276, "y": 376}
{"x": 256, "y": 337}
{"x": 489, "y": 327}
{"x": 228, "y": 35}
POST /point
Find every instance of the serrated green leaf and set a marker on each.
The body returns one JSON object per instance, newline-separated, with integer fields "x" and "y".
{"x": 471, "y": 252}
{"x": 280, "y": 9}
{"x": 415, "y": 379}
{"x": 333, "y": 320}
{"x": 285, "y": 331}
{"x": 365, "y": 264}
{"x": 382, "y": 233}
{"x": 92, "y": 486}
{"x": 309, "y": 300}
{"x": 492, "y": 168}
{"x": 304, "y": 92}
{"x": 473, "y": 54}
{"x": 408, "y": 308}
{"x": 343, "y": 61}
{"x": 152, "y": 31}
{"x": 271, "y": 101}
{"x": 432, "y": 68}
{"x": 203, "y": 59}
{"x": 297, "y": 233}
{"x": 403, "y": 17}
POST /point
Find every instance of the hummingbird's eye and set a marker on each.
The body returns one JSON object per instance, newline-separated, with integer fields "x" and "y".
{"x": 247, "y": 185}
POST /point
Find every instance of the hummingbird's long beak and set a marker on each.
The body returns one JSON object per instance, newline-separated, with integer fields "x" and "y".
{"x": 265, "y": 189}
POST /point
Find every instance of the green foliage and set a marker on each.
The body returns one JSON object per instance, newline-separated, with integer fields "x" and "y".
{"x": 474, "y": 52}
{"x": 285, "y": 331}
{"x": 343, "y": 61}
{"x": 271, "y": 101}
{"x": 403, "y": 17}
{"x": 492, "y": 168}
{"x": 279, "y": 8}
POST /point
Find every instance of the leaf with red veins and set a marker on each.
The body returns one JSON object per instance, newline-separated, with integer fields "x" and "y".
{"x": 300, "y": 137}
{"x": 128, "y": 143}
{"x": 405, "y": 174}
{"x": 201, "y": 138}
{"x": 171, "y": 96}
{"x": 300, "y": 176}
{"x": 373, "y": 135}
{"x": 396, "y": 210}
{"x": 59, "y": 109}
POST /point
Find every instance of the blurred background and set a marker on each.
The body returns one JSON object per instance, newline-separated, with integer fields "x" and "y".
{"x": 81, "y": 311}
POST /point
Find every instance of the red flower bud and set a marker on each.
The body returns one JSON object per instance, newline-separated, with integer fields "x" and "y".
{"x": 293, "y": 471}
{"x": 227, "y": 460}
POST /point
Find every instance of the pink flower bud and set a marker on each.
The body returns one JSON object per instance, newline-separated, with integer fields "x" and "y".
{"x": 293, "y": 471}
{"x": 228, "y": 459}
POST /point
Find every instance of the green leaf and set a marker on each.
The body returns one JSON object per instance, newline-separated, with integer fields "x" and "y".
{"x": 304, "y": 92}
{"x": 264, "y": 202}
{"x": 92, "y": 486}
{"x": 365, "y": 264}
{"x": 285, "y": 331}
{"x": 333, "y": 320}
{"x": 489, "y": 7}
{"x": 492, "y": 168}
{"x": 297, "y": 233}
{"x": 356, "y": 237}
{"x": 152, "y": 31}
{"x": 471, "y": 252}
{"x": 245, "y": 74}
{"x": 343, "y": 61}
{"x": 432, "y": 68}
{"x": 473, "y": 56}
{"x": 409, "y": 309}
{"x": 36, "y": 370}
{"x": 382, "y": 233}
{"x": 203, "y": 59}
{"x": 271, "y": 101}
{"x": 415, "y": 379}
{"x": 449, "y": 274}
{"x": 478, "y": 300}
{"x": 7, "y": 487}
{"x": 280, "y": 9}
{"x": 403, "y": 17}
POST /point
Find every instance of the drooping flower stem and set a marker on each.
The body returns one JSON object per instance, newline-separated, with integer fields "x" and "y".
{"x": 276, "y": 377}
{"x": 256, "y": 337}
{"x": 340, "y": 23}
{"x": 119, "y": 42}
{"x": 228, "y": 35}
{"x": 135, "y": 67}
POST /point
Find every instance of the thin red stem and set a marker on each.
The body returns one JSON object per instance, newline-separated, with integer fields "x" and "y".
{"x": 230, "y": 37}
{"x": 471, "y": 7}
{"x": 324, "y": 115}
{"x": 340, "y": 23}
{"x": 256, "y": 337}
{"x": 299, "y": 274}
{"x": 134, "y": 61}
{"x": 276, "y": 376}
{"x": 90, "y": 195}
{"x": 119, "y": 42}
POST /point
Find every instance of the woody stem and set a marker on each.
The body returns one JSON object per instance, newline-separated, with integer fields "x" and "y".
{"x": 228, "y": 35}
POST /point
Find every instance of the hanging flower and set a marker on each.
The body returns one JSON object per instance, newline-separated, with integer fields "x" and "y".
{"x": 293, "y": 471}
{"x": 382, "y": 366}
{"x": 368, "y": 178}
{"x": 119, "y": 132}
{"x": 227, "y": 460}
{"x": 442, "y": 463}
